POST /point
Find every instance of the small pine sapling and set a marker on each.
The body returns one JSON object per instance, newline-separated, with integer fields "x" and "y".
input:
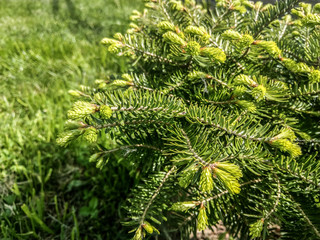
{"x": 217, "y": 118}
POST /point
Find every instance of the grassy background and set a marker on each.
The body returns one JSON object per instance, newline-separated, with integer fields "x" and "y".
{"x": 46, "y": 48}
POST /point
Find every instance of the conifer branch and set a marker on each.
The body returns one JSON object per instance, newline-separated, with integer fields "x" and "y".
{"x": 175, "y": 87}
{"x": 313, "y": 93}
{"x": 231, "y": 101}
{"x": 221, "y": 17}
{"x": 195, "y": 154}
{"x": 300, "y": 176}
{"x": 155, "y": 194}
{"x": 305, "y": 141}
{"x": 165, "y": 12}
{"x": 192, "y": 18}
{"x": 150, "y": 54}
{"x": 237, "y": 157}
{"x": 229, "y": 131}
{"x": 276, "y": 12}
{"x": 218, "y": 81}
{"x": 130, "y": 123}
{"x": 226, "y": 192}
{"x": 315, "y": 230}
{"x": 315, "y": 113}
{"x": 132, "y": 146}
{"x": 241, "y": 115}
{"x": 295, "y": 56}
{"x": 277, "y": 199}
{"x": 215, "y": 89}
{"x": 161, "y": 92}
{"x": 142, "y": 108}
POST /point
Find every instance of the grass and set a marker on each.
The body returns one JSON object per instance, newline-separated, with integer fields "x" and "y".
{"x": 46, "y": 48}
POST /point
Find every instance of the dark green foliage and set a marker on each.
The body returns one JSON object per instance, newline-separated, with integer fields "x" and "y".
{"x": 218, "y": 116}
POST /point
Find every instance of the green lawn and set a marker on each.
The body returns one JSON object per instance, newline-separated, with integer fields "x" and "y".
{"x": 46, "y": 48}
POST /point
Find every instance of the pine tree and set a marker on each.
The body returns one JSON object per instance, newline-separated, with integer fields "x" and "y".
{"x": 218, "y": 118}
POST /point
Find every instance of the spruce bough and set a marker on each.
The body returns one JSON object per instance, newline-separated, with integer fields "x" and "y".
{"x": 218, "y": 118}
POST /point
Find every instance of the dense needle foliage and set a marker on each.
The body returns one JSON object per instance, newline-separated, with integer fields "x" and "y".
{"x": 218, "y": 118}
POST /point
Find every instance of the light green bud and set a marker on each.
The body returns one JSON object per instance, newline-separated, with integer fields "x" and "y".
{"x": 72, "y": 125}
{"x": 270, "y": 47}
{"x": 259, "y": 92}
{"x": 120, "y": 83}
{"x": 135, "y": 15}
{"x": 195, "y": 30}
{"x": 229, "y": 175}
{"x": 240, "y": 9}
{"x": 206, "y": 181}
{"x": 166, "y": 26}
{"x": 85, "y": 88}
{"x": 95, "y": 157}
{"x": 147, "y": 226}
{"x": 249, "y": 106}
{"x": 101, "y": 83}
{"x": 290, "y": 64}
{"x": 91, "y": 135}
{"x": 231, "y": 35}
{"x": 297, "y": 12}
{"x": 275, "y": 23}
{"x": 306, "y": 7}
{"x": 297, "y": 23}
{"x": 256, "y": 228}
{"x": 182, "y": 206}
{"x": 231, "y": 168}
{"x": 202, "y": 219}
{"x": 248, "y": 4}
{"x": 173, "y": 38}
{"x": 193, "y": 48}
{"x": 81, "y": 109}
{"x": 109, "y": 41}
{"x": 314, "y": 76}
{"x": 285, "y": 134}
{"x": 243, "y": 79}
{"x": 286, "y": 145}
{"x": 74, "y": 93}
{"x": 105, "y": 112}
{"x": 118, "y": 36}
{"x": 200, "y": 31}
{"x": 176, "y": 5}
{"x": 135, "y": 12}
{"x": 296, "y": 33}
{"x": 245, "y": 41}
{"x": 131, "y": 31}
{"x": 214, "y": 53}
{"x": 115, "y": 48}
{"x": 287, "y": 18}
{"x": 127, "y": 77}
{"x": 138, "y": 234}
{"x": 65, "y": 138}
{"x": 239, "y": 91}
{"x": 150, "y": 5}
{"x": 133, "y": 25}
